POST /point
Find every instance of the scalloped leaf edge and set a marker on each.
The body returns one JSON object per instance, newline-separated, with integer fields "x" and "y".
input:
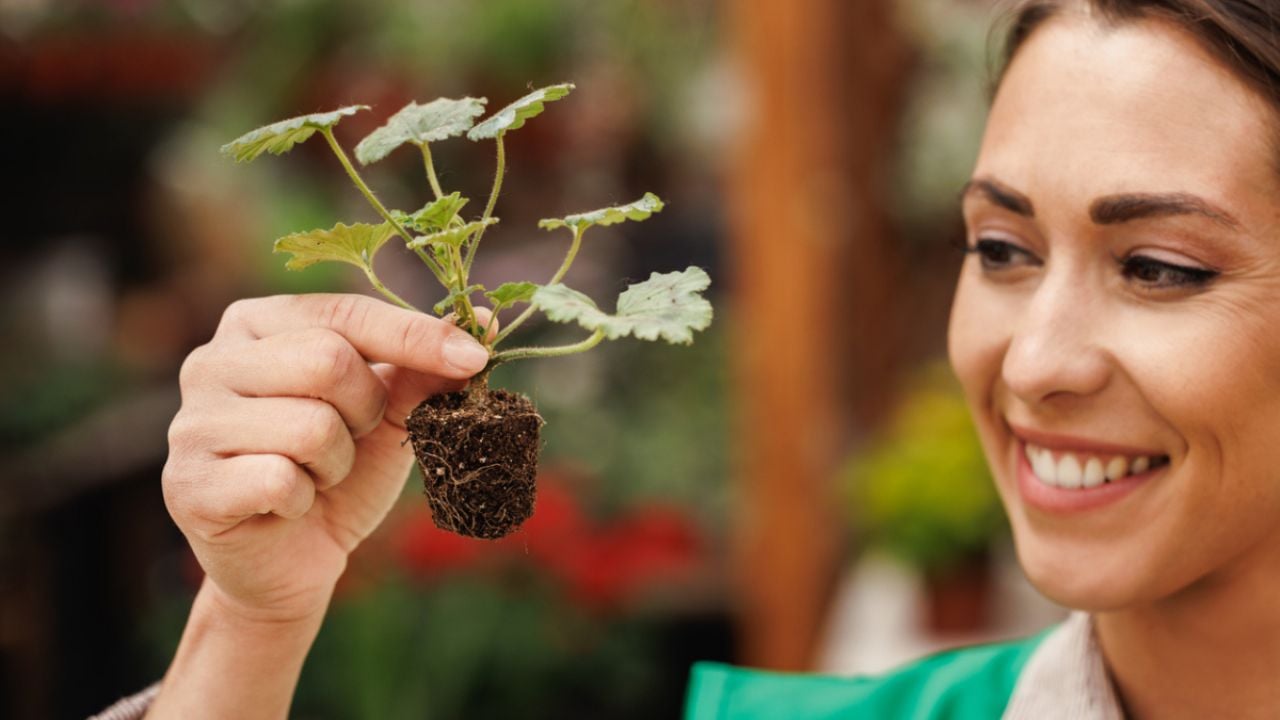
{"x": 513, "y": 116}
{"x": 455, "y": 236}
{"x": 637, "y": 307}
{"x": 335, "y": 245}
{"x": 636, "y": 210}
{"x": 429, "y": 218}
{"x": 280, "y": 137}
{"x": 439, "y": 119}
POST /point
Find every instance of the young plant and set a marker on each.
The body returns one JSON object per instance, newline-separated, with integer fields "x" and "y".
{"x": 478, "y": 449}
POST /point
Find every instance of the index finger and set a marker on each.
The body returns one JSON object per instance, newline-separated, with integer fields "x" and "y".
{"x": 379, "y": 331}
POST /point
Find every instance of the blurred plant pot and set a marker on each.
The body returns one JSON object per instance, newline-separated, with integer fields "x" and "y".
{"x": 958, "y": 596}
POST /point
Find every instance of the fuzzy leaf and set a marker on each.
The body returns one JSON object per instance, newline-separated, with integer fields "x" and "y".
{"x": 280, "y": 137}
{"x": 639, "y": 210}
{"x": 433, "y": 216}
{"x": 512, "y": 117}
{"x": 353, "y": 244}
{"x": 437, "y": 120}
{"x": 669, "y": 306}
{"x": 453, "y": 237}
{"x": 443, "y": 306}
{"x": 508, "y": 294}
{"x": 562, "y": 303}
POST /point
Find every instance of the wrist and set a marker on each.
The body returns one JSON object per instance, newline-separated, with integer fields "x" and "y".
{"x": 301, "y": 610}
{"x": 237, "y": 660}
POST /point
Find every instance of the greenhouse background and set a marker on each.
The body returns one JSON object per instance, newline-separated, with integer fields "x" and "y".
{"x": 798, "y": 489}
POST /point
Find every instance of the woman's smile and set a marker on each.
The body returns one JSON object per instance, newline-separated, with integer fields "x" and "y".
{"x": 1061, "y": 474}
{"x": 1054, "y": 469}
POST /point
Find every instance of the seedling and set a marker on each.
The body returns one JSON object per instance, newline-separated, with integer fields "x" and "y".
{"x": 478, "y": 449}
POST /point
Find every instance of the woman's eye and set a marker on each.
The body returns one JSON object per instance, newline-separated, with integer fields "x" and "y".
{"x": 1001, "y": 255}
{"x": 1158, "y": 274}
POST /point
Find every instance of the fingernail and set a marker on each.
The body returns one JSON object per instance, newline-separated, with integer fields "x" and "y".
{"x": 464, "y": 353}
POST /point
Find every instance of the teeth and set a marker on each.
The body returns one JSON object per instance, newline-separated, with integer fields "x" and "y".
{"x": 1042, "y": 465}
{"x": 1072, "y": 471}
{"x": 1117, "y": 468}
{"x": 1069, "y": 472}
{"x": 1093, "y": 474}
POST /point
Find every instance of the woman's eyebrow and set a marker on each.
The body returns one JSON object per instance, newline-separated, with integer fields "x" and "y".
{"x": 999, "y": 194}
{"x": 1114, "y": 209}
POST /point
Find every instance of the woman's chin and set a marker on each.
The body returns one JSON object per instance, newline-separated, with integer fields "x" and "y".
{"x": 1080, "y": 579}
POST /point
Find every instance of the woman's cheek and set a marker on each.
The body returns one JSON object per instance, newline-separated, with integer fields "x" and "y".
{"x": 975, "y": 340}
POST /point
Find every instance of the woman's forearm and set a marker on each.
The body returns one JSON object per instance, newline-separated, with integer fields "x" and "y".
{"x": 230, "y": 665}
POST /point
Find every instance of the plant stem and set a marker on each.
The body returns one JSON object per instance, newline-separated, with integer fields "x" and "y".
{"x": 568, "y": 258}
{"x": 431, "y": 170}
{"x": 386, "y": 292}
{"x": 462, "y": 306}
{"x": 564, "y": 268}
{"x": 488, "y": 209}
{"x": 556, "y": 351}
{"x": 378, "y": 206}
{"x": 489, "y": 327}
{"x": 422, "y": 254}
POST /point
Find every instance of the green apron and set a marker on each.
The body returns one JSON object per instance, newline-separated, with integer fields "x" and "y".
{"x": 972, "y": 683}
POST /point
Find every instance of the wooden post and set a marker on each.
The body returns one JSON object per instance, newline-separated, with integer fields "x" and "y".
{"x": 797, "y": 193}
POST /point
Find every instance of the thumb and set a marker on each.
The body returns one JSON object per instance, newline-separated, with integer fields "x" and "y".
{"x": 407, "y": 388}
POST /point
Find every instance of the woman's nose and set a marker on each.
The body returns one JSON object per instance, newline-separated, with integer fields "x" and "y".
{"x": 1056, "y": 345}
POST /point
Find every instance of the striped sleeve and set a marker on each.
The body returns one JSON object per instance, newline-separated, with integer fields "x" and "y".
{"x": 133, "y": 707}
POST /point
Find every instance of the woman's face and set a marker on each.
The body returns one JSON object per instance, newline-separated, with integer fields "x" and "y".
{"x": 1117, "y": 322}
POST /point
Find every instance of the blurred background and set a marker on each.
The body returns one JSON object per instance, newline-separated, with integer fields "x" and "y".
{"x": 800, "y": 489}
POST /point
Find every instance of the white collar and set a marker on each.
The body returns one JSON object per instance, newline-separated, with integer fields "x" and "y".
{"x": 1065, "y": 678}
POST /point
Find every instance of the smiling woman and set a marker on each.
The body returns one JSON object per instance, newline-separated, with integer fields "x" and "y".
{"x": 1116, "y": 331}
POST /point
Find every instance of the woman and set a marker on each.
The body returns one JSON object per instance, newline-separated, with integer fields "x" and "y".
{"x": 1113, "y": 327}
{"x": 1115, "y": 330}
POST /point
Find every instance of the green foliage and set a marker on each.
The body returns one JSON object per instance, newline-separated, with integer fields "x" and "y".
{"x": 508, "y": 294}
{"x": 454, "y": 236}
{"x": 923, "y": 491}
{"x": 638, "y": 210}
{"x": 513, "y": 116}
{"x": 434, "y": 216}
{"x": 667, "y": 306}
{"x": 439, "y": 119}
{"x": 280, "y": 137}
{"x": 352, "y": 244}
{"x": 443, "y": 306}
{"x": 471, "y": 648}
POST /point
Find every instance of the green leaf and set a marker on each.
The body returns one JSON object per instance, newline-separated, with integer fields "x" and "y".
{"x": 280, "y": 137}
{"x": 669, "y": 306}
{"x": 352, "y": 244}
{"x": 639, "y": 210}
{"x": 439, "y": 119}
{"x": 452, "y": 237}
{"x": 434, "y": 216}
{"x": 512, "y": 117}
{"x": 443, "y": 255}
{"x": 443, "y": 306}
{"x": 508, "y": 294}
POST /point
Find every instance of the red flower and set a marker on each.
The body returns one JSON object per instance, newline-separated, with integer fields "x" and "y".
{"x": 600, "y": 566}
{"x": 649, "y": 547}
{"x": 426, "y": 550}
{"x": 556, "y": 526}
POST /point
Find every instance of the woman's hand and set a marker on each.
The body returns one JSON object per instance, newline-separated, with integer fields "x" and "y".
{"x": 289, "y": 446}
{"x": 287, "y": 452}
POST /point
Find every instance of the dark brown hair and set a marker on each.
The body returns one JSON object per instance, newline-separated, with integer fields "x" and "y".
{"x": 1242, "y": 34}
